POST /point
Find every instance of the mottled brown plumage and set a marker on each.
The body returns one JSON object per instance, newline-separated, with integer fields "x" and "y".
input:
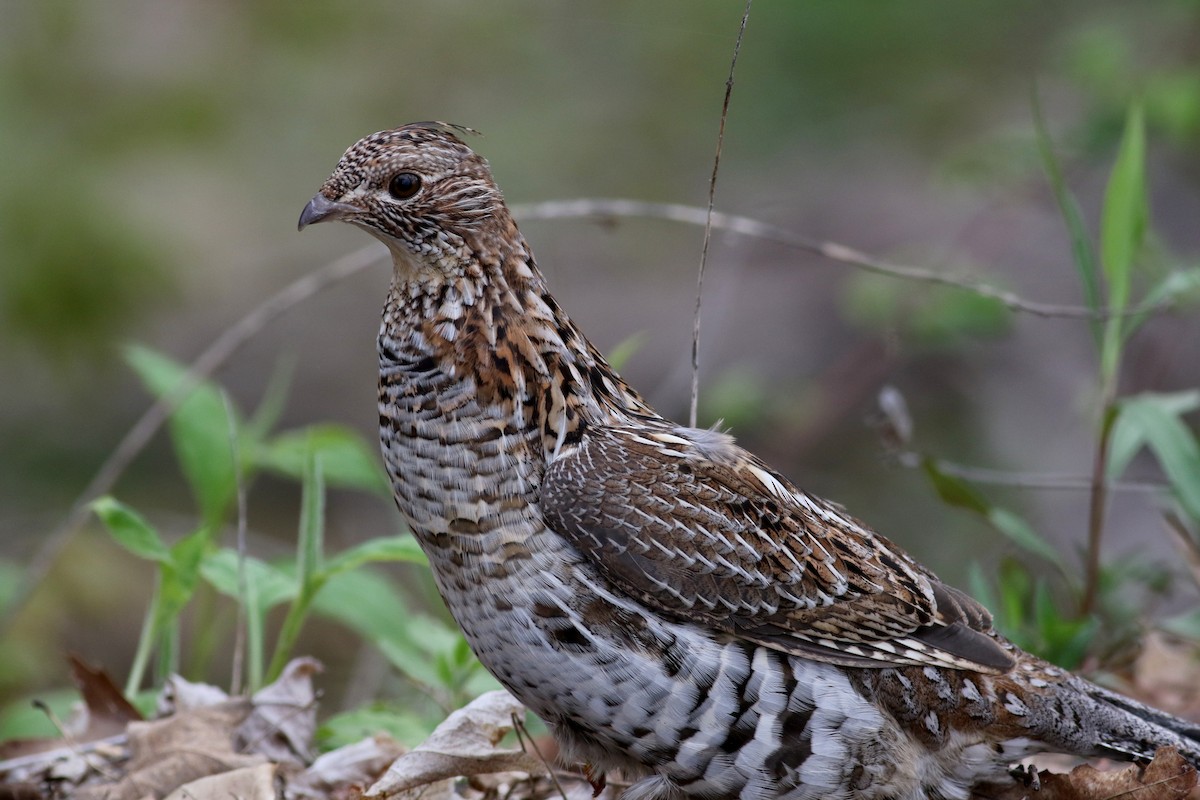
{"x": 669, "y": 604}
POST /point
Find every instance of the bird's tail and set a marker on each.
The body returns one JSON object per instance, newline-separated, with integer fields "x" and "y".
{"x": 1126, "y": 729}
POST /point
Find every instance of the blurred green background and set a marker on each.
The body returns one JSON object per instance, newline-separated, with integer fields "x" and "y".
{"x": 156, "y": 157}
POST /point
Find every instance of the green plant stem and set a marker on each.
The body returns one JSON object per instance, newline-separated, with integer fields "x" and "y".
{"x": 141, "y": 656}
{"x": 1098, "y": 503}
{"x": 290, "y": 632}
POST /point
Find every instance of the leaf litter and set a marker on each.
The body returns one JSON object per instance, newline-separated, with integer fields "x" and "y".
{"x": 205, "y": 744}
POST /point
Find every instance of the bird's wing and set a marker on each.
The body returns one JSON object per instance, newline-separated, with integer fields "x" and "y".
{"x": 698, "y": 529}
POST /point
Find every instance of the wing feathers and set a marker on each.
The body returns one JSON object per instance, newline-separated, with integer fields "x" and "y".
{"x": 696, "y": 528}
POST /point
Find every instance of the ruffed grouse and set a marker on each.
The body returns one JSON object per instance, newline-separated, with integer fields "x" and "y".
{"x": 670, "y": 605}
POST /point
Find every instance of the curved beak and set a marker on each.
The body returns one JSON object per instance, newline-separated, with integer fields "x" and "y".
{"x": 321, "y": 208}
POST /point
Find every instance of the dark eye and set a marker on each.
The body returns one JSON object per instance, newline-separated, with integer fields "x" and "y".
{"x": 404, "y": 185}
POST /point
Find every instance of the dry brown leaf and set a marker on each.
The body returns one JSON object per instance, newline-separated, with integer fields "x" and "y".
{"x": 355, "y": 765}
{"x": 167, "y": 753}
{"x": 284, "y": 719}
{"x": 1167, "y": 777}
{"x": 108, "y": 711}
{"x": 1167, "y": 675}
{"x": 179, "y": 694}
{"x": 464, "y": 744}
{"x": 248, "y": 783}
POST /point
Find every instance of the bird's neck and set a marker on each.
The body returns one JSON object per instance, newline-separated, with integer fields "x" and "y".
{"x": 493, "y": 323}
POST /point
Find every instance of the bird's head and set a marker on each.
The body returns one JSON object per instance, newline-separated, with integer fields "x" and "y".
{"x": 420, "y": 191}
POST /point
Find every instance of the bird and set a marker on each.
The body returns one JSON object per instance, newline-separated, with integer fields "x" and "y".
{"x": 675, "y": 610}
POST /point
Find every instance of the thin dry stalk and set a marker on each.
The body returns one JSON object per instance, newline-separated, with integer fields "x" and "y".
{"x": 712, "y": 193}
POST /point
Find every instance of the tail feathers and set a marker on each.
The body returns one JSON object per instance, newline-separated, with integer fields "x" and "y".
{"x": 1129, "y": 730}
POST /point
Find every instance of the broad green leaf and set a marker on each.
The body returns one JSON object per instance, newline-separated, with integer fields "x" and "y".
{"x": 403, "y": 548}
{"x": 368, "y": 604}
{"x": 957, "y": 492}
{"x": 353, "y": 726}
{"x": 271, "y": 586}
{"x": 1123, "y": 225}
{"x": 1020, "y": 533}
{"x": 1179, "y": 284}
{"x": 1129, "y": 434}
{"x": 364, "y": 601}
{"x": 181, "y": 572}
{"x": 953, "y": 490}
{"x": 20, "y": 718}
{"x": 200, "y": 430}
{"x": 130, "y": 530}
{"x": 346, "y": 460}
{"x": 1154, "y": 419}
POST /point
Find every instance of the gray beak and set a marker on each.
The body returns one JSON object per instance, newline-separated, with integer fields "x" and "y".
{"x": 321, "y": 208}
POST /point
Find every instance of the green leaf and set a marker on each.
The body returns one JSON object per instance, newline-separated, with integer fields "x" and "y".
{"x": 130, "y": 531}
{"x": 625, "y": 350}
{"x": 1020, "y": 533}
{"x": 270, "y": 586}
{"x": 21, "y": 719}
{"x": 1186, "y": 625}
{"x": 954, "y": 491}
{"x": 274, "y": 400}
{"x": 1081, "y": 240}
{"x": 310, "y": 561}
{"x": 1154, "y": 420}
{"x": 1123, "y": 225}
{"x": 354, "y": 726}
{"x": 265, "y": 588}
{"x": 934, "y": 316}
{"x": 1179, "y": 284}
{"x": 199, "y": 428}
{"x": 364, "y": 601}
{"x": 182, "y": 571}
{"x": 369, "y": 605}
{"x": 310, "y": 551}
{"x": 346, "y": 460}
{"x": 957, "y": 492}
{"x": 403, "y": 548}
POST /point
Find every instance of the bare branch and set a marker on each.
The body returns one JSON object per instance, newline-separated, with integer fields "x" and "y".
{"x": 610, "y": 209}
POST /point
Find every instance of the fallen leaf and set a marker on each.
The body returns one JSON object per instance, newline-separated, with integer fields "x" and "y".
{"x": 179, "y": 694}
{"x": 1167, "y": 777}
{"x": 108, "y": 710}
{"x": 464, "y": 744}
{"x": 170, "y": 752}
{"x": 354, "y": 765}
{"x": 284, "y": 720}
{"x": 247, "y": 783}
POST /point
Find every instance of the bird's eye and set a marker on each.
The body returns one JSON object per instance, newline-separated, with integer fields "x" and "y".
{"x": 404, "y": 185}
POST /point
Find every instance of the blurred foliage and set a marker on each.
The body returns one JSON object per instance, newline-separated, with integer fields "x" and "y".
{"x": 432, "y": 655}
{"x": 933, "y": 317}
{"x": 1103, "y": 613}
